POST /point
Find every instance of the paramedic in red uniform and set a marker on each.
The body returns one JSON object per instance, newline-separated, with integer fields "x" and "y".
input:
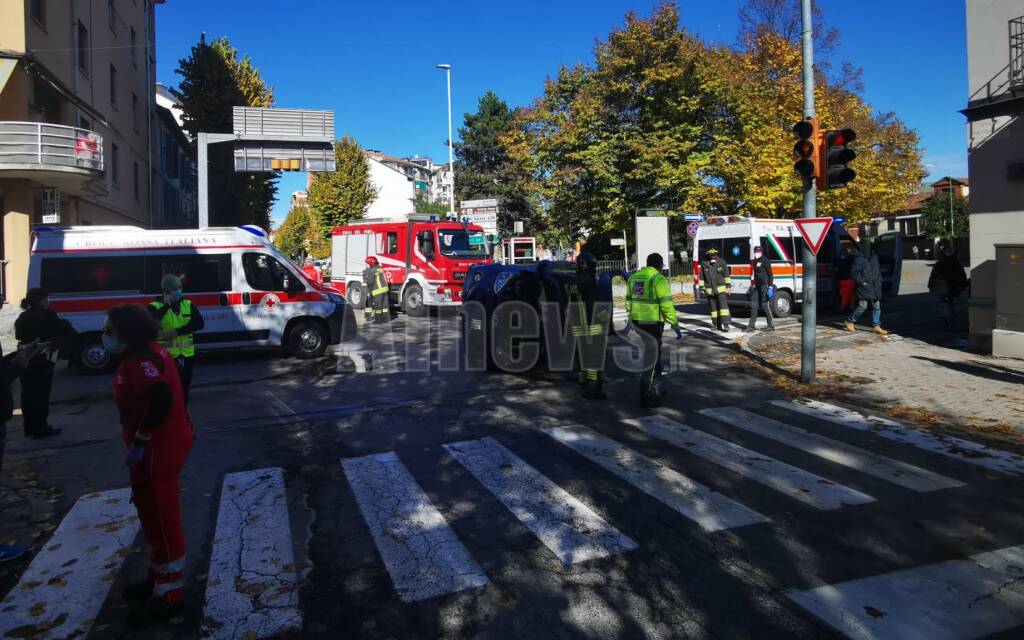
{"x": 158, "y": 437}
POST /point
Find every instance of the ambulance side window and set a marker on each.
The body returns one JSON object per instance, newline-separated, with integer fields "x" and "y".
{"x": 778, "y": 248}
{"x": 199, "y": 273}
{"x": 264, "y": 273}
{"x": 92, "y": 275}
{"x": 736, "y": 250}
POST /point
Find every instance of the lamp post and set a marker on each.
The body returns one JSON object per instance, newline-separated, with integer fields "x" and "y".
{"x": 451, "y": 155}
{"x": 952, "y": 234}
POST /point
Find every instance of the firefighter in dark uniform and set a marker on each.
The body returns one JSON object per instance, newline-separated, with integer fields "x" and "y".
{"x": 590, "y": 319}
{"x": 716, "y": 283}
{"x": 377, "y": 290}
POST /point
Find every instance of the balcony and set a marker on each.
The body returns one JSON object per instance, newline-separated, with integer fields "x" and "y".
{"x": 53, "y": 155}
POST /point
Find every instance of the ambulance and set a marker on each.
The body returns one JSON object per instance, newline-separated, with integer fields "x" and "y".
{"x": 424, "y": 259}
{"x": 249, "y": 294}
{"x": 736, "y": 236}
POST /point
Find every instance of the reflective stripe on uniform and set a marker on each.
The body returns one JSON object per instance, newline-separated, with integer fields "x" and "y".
{"x": 163, "y": 588}
{"x": 171, "y": 567}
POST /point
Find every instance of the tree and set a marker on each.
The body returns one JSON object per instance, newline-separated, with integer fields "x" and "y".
{"x": 486, "y": 169}
{"x": 335, "y": 197}
{"x": 301, "y": 236}
{"x": 215, "y": 79}
{"x": 935, "y": 216}
{"x": 422, "y": 204}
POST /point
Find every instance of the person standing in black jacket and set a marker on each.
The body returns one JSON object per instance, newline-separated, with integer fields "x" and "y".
{"x": 760, "y": 281}
{"x": 867, "y": 274}
{"x": 947, "y": 280}
{"x": 40, "y": 325}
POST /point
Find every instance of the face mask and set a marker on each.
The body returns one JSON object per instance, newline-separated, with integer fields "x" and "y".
{"x": 177, "y": 295}
{"x": 112, "y": 344}
{"x": 757, "y": 255}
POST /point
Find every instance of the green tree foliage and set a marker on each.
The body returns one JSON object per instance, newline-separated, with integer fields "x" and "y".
{"x": 485, "y": 169}
{"x": 422, "y": 204}
{"x": 935, "y": 216}
{"x": 344, "y": 194}
{"x": 215, "y": 79}
{"x": 301, "y": 236}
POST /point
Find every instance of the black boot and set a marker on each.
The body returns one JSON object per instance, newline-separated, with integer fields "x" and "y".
{"x": 150, "y": 613}
{"x": 49, "y": 431}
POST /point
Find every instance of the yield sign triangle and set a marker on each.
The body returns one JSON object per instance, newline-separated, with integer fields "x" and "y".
{"x": 814, "y": 231}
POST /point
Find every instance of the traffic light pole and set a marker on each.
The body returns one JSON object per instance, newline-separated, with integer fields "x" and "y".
{"x": 809, "y": 307}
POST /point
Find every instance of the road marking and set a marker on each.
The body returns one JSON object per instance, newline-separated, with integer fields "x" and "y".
{"x": 792, "y": 481}
{"x": 420, "y": 551}
{"x": 252, "y": 584}
{"x": 711, "y": 510}
{"x": 953, "y": 600}
{"x": 956, "y": 448}
{"x": 63, "y": 589}
{"x": 566, "y": 526}
{"x": 879, "y": 466}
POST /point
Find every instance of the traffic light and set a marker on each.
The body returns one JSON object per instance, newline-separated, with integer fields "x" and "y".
{"x": 806, "y": 148}
{"x": 835, "y": 156}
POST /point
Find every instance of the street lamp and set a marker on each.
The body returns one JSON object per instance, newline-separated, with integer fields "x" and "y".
{"x": 451, "y": 155}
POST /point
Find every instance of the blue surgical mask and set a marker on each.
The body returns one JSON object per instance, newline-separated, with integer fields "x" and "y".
{"x": 112, "y": 344}
{"x": 177, "y": 295}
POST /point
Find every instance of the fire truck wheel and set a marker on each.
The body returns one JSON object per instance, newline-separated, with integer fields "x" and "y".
{"x": 307, "y": 339}
{"x": 412, "y": 301}
{"x": 91, "y": 357}
{"x": 782, "y": 304}
{"x": 356, "y": 295}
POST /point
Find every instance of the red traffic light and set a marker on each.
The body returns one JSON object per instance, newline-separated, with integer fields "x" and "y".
{"x": 806, "y": 148}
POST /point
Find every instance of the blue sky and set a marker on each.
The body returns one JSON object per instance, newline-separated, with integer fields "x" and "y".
{"x": 373, "y": 62}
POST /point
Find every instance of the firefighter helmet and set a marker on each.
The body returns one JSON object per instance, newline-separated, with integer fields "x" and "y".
{"x": 371, "y": 260}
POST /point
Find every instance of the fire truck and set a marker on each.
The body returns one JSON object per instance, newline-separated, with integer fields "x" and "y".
{"x": 425, "y": 259}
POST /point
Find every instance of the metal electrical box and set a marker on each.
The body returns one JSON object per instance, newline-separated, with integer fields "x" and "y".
{"x": 283, "y": 139}
{"x": 1008, "y": 335}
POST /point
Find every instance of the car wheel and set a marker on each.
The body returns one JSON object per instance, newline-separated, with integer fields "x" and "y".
{"x": 308, "y": 339}
{"x": 782, "y": 304}
{"x": 412, "y": 301}
{"x": 356, "y": 296}
{"x": 91, "y": 357}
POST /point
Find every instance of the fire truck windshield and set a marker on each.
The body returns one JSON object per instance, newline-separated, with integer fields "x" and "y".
{"x": 458, "y": 243}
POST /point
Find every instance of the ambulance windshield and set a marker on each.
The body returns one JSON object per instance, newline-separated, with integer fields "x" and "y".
{"x": 458, "y": 243}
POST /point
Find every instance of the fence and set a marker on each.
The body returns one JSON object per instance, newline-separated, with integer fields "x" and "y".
{"x": 50, "y": 144}
{"x": 676, "y": 268}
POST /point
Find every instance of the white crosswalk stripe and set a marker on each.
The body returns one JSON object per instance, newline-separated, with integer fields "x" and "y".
{"x": 953, "y": 600}
{"x": 566, "y": 526}
{"x": 956, "y": 448}
{"x": 420, "y": 551}
{"x": 711, "y": 510}
{"x": 64, "y": 587}
{"x": 251, "y": 590}
{"x": 879, "y": 466}
{"x": 792, "y": 481}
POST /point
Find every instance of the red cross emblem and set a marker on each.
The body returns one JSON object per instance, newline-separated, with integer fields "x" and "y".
{"x": 101, "y": 275}
{"x": 270, "y": 301}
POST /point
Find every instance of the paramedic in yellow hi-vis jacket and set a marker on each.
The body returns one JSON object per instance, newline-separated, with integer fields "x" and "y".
{"x": 716, "y": 283}
{"x": 649, "y": 305}
{"x": 179, "y": 321}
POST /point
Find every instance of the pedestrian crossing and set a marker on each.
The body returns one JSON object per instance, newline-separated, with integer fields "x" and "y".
{"x": 253, "y": 587}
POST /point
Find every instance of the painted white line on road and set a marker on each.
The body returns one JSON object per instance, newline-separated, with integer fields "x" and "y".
{"x": 420, "y": 551}
{"x": 252, "y": 583}
{"x": 566, "y": 526}
{"x": 63, "y": 589}
{"x": 953, "y": 600}
{"x": 956, "y": 448}
{"x": 792, "y": 481}
{"x": 711, "y": 510}
{"x": 873, "y": 464}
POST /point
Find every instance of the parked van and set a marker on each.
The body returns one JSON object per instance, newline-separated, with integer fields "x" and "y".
{"x": 736, "y": 236}
{"x": 249, "y": 294}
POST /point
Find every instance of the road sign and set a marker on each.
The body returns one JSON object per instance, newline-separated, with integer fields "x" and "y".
{"x": 51, "y": 205}
{"x": 814, "y": 231}
{"x": 691, "y": 229}
{"x": 618, "y": 242}
{"x": 694, "y": 217}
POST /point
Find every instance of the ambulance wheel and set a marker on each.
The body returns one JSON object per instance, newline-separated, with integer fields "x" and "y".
{"x": 782, "y": 304}
{"x": 412, "y": 301}
{"x": 308, "y": 339}
{"x": 91, "y": 357}
{"x": 356, "y": 296}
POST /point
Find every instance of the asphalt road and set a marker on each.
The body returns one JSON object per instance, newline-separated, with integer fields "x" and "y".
{"x": 360, "y": 497}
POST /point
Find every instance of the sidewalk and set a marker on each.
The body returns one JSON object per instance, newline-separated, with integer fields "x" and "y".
{"x": 916, "y": 382}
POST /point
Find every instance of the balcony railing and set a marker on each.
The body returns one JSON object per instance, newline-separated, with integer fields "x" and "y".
{"x": 1017, "y": 54}
{"x": 49, "y": 145}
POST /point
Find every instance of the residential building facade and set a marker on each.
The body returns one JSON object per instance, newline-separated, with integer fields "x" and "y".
{"x": 175, "y": 181}
{"x": 76, "y": 119}
{"x": 995, "y": 138}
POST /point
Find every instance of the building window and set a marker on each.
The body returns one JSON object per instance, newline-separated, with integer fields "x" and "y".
{"x": 37, "y": 9}
{"x": 135, "y": 111}
{"x": 113, "y": 86}
{"x": 83, "y": 48}
{"x": 891, "y": 224}
{"x": 135, "y": 180}
{"x": 115, "y": 165}
{"x": 134, "y": 43}
{"x": 83, "y": 122}
{"x": 911, "y": 227}
{"x": 111, "y": 16}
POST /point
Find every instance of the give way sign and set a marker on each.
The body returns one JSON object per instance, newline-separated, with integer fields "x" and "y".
{"x": 814, "y": 231}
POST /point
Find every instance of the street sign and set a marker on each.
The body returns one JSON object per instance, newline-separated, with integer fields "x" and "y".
{"x": 691, "y": 229}
{"x": 283, "y": 139}
{"x": 51, "y": 206}
{"x": 694, "y": 217}
{"x": 618, "y": 242}
{"x": 517, "y": 226}
{"x": 482, "y": 212}
{"x": 813, "y": 231}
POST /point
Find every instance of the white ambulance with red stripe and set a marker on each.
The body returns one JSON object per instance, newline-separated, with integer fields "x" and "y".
{"x": 736, "y": 236}
{"x": 424, "y": 259}
{"x": 249, "y": 294}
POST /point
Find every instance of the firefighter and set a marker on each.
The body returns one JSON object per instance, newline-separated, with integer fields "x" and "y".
{"x": 590, "y": 320}
{"x": 158, "y": 436}
{"x": 179, "y": 320}
{"x": 716, "y": 283}
{"x": 649, "y": 305}
{"x": 377, "y": 287}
